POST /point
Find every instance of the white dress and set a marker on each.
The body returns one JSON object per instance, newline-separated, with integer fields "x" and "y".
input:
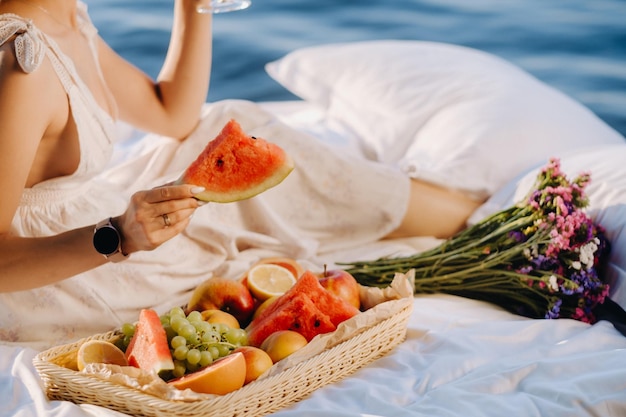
{"x": 331, "y": 201}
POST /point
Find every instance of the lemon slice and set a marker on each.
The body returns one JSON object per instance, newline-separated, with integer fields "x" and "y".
{"x": 269, "y": 280}
{"x": 100, "y": 351}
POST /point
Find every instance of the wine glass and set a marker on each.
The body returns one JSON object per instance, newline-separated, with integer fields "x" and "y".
{"x": 223, "y": 6}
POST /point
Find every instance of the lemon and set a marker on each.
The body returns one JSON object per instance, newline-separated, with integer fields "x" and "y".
{"x": 269, "y": 280}
{"x": 100, "y": 351}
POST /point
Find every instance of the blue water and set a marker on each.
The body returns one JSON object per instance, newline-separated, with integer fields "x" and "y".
{"x": 577, "y": 46}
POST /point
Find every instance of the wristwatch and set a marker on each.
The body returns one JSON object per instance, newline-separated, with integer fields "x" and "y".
{"x": 108, "y": 242}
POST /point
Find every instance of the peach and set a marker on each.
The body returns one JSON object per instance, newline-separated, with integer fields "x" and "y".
{"x": 257, "y": 362}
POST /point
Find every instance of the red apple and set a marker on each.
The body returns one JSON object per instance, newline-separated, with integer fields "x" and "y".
{"x": 342, "y": 284}
{"x": 217, "y": 293}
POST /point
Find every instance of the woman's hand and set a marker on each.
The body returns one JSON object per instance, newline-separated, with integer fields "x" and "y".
{"x": 155, "y": 216}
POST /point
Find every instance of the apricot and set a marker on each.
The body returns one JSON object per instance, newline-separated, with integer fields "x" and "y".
{"x": 283, "y": 343}
{"x": 265, "y": 304}
{"x": 218, "y": 316}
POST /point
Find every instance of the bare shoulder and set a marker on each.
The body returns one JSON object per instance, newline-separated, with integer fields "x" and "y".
{"x": 36, "y": 93}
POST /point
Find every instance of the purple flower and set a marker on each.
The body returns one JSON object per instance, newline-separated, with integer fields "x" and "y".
{"x": 539, "y": 258}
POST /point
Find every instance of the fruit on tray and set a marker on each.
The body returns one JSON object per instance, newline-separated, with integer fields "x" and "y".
{"x": 257, "y": 362}
{"x": 224, "y": 294}
{"x": 221, "y": 377}
{"x": 269, "y": 280}
{"x": 262, "y": 306}
{"x": 299, "y": 314}
{"x": 193, "y": 342}
{"x": 286, "y": 262}
{"x": 218, "y": 316}
{"x": 342, "y": 284}
{"x": 99, "y": 351}
{"x": 235, "y": 166}
{"x": 283, "y": 343}
{"x": 149, "y": 348}
{"x": 306, "y": 307}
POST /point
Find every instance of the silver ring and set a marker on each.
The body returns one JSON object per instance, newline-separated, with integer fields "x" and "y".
{"x": 166, "y": 220}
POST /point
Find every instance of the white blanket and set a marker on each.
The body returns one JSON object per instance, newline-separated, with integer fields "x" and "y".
{"x": 461, "y": 357}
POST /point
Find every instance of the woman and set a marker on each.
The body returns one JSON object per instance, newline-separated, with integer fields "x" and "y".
{"x": 62, "y": 89}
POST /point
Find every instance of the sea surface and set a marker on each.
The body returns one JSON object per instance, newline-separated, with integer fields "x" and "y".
{"x": 577, "y": 46}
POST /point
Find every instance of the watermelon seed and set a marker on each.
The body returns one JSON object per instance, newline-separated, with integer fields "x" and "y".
{"x": 253, "y": 137}
{"x": 220, "y": 163}
{"x": 317, "y": 323}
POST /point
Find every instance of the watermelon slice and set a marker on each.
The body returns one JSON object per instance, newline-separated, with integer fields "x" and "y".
{"x": 235, "y": 166}
{"x": 300, "y": 314}
{"x": 148, "y": 349}
{"x": 306, "y": 307}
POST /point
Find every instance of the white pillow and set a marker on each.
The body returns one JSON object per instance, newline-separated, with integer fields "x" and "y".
{"x": 607, "y": 201}
{"x": 444, "y": 113}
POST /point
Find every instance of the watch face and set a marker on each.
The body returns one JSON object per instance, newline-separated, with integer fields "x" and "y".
{"x": 106, "y": 240}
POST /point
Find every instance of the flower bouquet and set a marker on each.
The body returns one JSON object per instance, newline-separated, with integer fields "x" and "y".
{"x": 541, "y": 258}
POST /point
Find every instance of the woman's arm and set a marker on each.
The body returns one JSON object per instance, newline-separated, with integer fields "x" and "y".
{"x": 34, "y": 114}
{"x": 33, "y": 262}
{"x": 170, "y": 106}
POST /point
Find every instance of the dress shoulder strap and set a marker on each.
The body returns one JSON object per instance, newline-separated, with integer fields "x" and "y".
{"x": 29, "y": 48}
{"x": 32, "y": 45}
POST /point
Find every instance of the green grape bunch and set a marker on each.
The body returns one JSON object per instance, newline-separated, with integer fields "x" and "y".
{"x": 194, "y": 342}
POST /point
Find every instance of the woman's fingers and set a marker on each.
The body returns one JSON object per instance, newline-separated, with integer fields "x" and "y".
{"x": 171, "y": 218}
{"x": 155, "y": 216}
{"x": 172, "y": 192}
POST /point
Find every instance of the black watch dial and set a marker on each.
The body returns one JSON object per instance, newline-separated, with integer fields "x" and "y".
{"x": 106, "y": 240}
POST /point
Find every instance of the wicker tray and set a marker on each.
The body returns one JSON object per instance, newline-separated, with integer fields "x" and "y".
{"x": 261, "y": 397}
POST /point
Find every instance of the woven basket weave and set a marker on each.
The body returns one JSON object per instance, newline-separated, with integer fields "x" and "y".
{"x": 261, "y": 397}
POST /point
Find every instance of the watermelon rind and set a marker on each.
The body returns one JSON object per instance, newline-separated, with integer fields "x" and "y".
{"x": 235, "y": 166}
{"x": 220, "y": 197}
{"x": 302, "y": 304}
{"x": 149, "y": 349}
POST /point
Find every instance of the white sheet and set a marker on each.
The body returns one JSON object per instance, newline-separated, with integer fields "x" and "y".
{"x": 461, "y": 357}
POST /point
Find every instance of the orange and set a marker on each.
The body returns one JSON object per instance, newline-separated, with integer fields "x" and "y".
{"x": 269, "y": 280}
{"x": 283, "y": 343}
{"x": 225, "y": 375}
{"x": 99, "y": 351}
{"x": 257, "y": 362}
